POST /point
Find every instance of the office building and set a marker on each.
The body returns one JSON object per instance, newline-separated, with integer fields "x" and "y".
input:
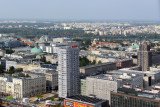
{"x": 101, "y": 85}
{"x": 68, "y": 71}
{"x": 131, "y": 98}
{"x": 149, "y": 77}
{"x": 144, "y": 57}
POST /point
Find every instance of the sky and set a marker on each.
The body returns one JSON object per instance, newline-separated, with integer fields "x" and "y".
{"x": 81, "y": 9}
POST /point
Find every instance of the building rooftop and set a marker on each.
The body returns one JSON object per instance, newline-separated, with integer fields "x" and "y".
{"x": 85, "y": 99}
{"x": 114, "y": 76}
{"x": 96, "y": 65}
{"x": 36, "y": 49}
{"x": 152, "y": 94}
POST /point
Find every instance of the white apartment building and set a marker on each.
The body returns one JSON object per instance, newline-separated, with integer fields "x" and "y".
{"x": 10, "y": 63}
{"x": 68, "y": 71}
{"x": 101, "y": 85}
{"x": 23, "y": 87}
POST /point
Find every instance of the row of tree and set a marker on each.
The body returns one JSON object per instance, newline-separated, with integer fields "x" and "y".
{"x": 13, "y": 70}
{"x": 83, "y": 61}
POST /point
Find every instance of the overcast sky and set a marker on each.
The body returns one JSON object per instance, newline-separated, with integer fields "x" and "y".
{"x": 80, "y": 9}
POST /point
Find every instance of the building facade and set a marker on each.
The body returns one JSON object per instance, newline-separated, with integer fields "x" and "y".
{"x": 50, "y": 74}
{"x": 144, "y": 57}
{"x": 23, "y": 87}
{"x": 124, "y": 63}
{"x": 84, "y": 101}
{"x": 100, "y": 86}
{"x": 131, "y": 100}
{"x": 98, "y": 68}
{"x": 68, "y": 71}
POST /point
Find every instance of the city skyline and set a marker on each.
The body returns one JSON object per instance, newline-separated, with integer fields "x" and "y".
{"x": 81, "y": 10}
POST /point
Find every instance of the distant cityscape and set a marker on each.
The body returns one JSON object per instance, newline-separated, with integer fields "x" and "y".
{"x": 79, "y": 64}
{"x": 97, "y": 28}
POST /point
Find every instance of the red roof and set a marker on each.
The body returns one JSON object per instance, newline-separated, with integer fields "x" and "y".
{"x": 29, "y": 43}
{"x": 90, "y": 48}
{"x": 108, "y": 43}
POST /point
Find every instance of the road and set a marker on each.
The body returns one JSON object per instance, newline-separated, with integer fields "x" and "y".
{"x": 13, "y": 104}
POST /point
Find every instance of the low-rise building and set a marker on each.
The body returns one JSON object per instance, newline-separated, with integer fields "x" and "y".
{"x": 136, "y": 98}
{"x": 124, "y": 63}
{"x": 10, "y": 63}
{"x": 2, "y": 52}
{"x": 98, "y": 68}
{"x": 84, "y": 101}
{"x": 149, "y": 77}
{"x": 29, "y": 66}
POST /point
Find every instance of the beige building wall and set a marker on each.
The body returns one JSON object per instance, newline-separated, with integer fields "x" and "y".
{"x": 23, "y": 87}
{"x": 28, "y": 67}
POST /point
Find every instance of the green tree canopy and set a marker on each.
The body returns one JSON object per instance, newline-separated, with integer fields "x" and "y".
{"x": 27, "y": 75}
{"x": 39, "y": 96}
{"x": 11, "y": 70}
{"x": 18, "y": 70}
{"x": 158, "y": 49}
{"x": 99, "y": 62}
{"x": 94, "y": 62}
{"x": 10, "y": 98}
{"x": 1, "y": 69}
{"x": 9, "y": 51}
{"x": 53, "y": 98}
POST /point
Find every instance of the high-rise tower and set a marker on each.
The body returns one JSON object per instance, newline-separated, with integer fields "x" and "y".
{"x": 68, "y": 71}
{"x": 144, "y": 57}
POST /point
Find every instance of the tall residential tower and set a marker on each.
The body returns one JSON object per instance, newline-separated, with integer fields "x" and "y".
{"x": 68, "y": 71}
{"x": 144, "y": 57}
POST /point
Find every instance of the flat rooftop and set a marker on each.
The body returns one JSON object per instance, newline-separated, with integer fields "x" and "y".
{"x": 85, "y": 99}
{"x": 96, "y": 65}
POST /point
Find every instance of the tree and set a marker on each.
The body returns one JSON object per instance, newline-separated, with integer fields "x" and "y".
{"x": 53, "y": 98}
{"x": 77, "y": 39}
{"x": 116, "y": 49}
{"x": 58, "y": 105}
{"x": 18, "y": 70}
{"x": 152, "y": 44}
{"x": 87, "y": 42}
{"x": 9, "y": 51}
{"x": 99, "y": 62}
{"x": 94, "y": 62}
{"x": 43, "y": 59}
{"x": 48, "y": 62}
{"x": 1, "y": 69}
{"x": 10, "y": 98}
{"x": 11, "y": 70}
{"x": 27, "y": 75}
{"x": 83, "y": 61}
{"x": 39, "y": 96}
{"x": 158, "y": 49}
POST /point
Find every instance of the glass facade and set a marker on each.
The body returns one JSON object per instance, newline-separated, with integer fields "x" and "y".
{"x": 122, "y": 100}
